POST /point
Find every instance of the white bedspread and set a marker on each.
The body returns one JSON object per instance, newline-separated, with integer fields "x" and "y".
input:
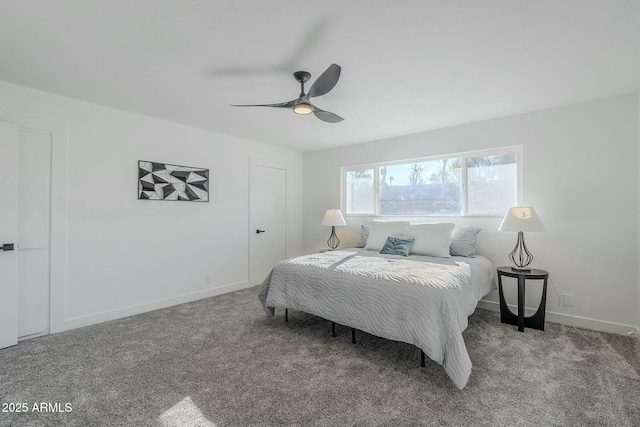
{"x": 423, "y": 301}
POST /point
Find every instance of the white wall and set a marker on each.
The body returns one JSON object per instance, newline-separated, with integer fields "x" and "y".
{"x": 580, "y": 174}
{"x": 125, "y": 256}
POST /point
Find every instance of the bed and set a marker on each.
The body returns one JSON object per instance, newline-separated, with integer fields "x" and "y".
{"x": 421, "y": 300}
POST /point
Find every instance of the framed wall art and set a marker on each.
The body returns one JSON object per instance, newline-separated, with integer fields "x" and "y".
{"x": 162, "y": 181}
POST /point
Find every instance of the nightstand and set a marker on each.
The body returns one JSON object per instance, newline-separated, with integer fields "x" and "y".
{"x": 506, "y": 315}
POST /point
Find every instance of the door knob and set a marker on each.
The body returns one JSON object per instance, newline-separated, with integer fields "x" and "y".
{"x": 6, "y": 247}
{"x": 260, "y": 231}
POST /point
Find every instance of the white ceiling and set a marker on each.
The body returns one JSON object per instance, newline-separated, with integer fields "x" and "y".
{"x": 407, "y": 66}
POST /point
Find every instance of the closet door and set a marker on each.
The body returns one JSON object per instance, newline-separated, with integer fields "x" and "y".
{"x": 34, "y": 221}
{"x": 8, "y": 235}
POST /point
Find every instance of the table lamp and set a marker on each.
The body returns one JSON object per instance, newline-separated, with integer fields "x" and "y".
{"x": 333, "y": 217}
{"x": 521, "y": 219}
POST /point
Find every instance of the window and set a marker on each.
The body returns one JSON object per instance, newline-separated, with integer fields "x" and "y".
{"x": 483, "y": 183}
{"x": 492, "y": 183}
{"x": 359, "y": 191}
{"x": 423, "y": 188}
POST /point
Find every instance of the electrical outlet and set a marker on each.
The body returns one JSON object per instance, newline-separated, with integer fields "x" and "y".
{"x": 567, "y": 300}
{"x": 208, "y": 279}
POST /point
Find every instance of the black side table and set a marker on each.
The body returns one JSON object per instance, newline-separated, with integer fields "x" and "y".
{"x": 506, "y": 315}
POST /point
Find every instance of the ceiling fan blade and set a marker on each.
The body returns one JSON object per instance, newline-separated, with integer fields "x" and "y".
{"x": 326, "y": 81}
{"x": 326, "y": 116}
{"x": 288, "y": 104}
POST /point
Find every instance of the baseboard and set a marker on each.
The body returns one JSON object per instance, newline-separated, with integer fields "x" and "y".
{"x": 569, "y": 320}
{"x": 105, "y": 316}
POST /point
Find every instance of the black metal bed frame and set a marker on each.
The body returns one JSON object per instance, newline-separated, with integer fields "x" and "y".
{"x": 353, "y": 336}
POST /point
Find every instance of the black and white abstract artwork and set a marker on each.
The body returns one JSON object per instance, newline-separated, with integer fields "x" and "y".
{"x": 161, "y": 181}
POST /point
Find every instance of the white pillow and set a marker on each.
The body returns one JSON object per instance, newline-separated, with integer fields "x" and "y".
{"x": 380, "y": 230}
{"x": 431, "y": 238}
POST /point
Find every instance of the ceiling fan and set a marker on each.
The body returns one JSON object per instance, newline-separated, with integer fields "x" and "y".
{"x": 302, "y": 104}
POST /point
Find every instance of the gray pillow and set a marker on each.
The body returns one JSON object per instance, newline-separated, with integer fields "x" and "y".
{"x": 463, "y": 241}
{"x": 364, "y": 235}
{"x": 397, "y": 246}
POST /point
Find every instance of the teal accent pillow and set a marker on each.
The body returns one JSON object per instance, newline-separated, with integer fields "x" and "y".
{"x": 397, "y": 246}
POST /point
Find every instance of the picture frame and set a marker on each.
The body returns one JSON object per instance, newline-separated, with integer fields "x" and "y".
{"x": 164, "y": 181}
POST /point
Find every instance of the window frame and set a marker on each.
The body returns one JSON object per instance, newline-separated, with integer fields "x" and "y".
{"x": 464, "y": 197}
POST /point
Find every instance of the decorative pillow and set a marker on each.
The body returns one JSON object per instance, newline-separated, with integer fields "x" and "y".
{"x": 397, "y": 246}
{"x": 364, "y": 234}
{"x": 380, "y": 230}
{"x": 431, "y": 238}
{"x": 463, "y": 241}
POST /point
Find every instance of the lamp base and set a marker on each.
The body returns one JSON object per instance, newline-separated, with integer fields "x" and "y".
{"x": 520, "y": 255}
{"x": 333, "y": 241}
{"x": 521, "y": 270}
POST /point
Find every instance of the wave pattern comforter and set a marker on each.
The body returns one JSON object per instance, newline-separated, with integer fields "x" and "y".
{"x": 423, "y": 301}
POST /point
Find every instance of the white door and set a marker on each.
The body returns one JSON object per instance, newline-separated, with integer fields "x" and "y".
{"x": 25, "y": 218}
{"x": 34, "y": 221}
{"x": 268, "y": 220}
{"x": 8, "y": 234}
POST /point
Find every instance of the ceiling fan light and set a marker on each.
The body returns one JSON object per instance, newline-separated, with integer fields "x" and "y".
{"x": 302, "y": 108}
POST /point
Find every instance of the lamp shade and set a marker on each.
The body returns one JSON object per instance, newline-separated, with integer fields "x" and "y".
{"x": 333, "y": 217}
{"x": 521, "y": 218}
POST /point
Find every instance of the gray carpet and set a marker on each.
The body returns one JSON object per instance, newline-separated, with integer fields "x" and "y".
{"x": 221, "y": 362}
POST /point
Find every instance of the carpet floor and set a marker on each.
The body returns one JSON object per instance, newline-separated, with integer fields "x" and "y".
{"x": 221, "y": 362}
